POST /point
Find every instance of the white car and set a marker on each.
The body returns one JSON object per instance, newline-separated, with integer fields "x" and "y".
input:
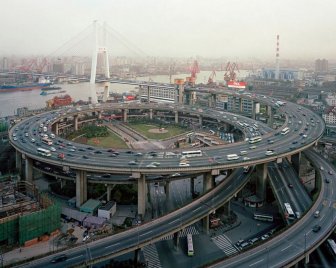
{"x": 53, "y": 149}
{"x": 182, "y": 164}
{"x": 269, "y": 152}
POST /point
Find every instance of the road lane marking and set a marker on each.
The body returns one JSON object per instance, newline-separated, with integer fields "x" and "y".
{"x": 112, "y": 245}
{"x": 322, "y": 218}
{"x": 146, "y": 233}
{"x": 256, "y": 262}
{"x": 173, "y": 221}
{"x": 197, "y": 208}
{"x": 74, "y": 257}
{"x": 286, "y": 247}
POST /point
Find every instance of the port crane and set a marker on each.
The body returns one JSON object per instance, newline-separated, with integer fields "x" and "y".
{"x": 194, "y": 70}
{"x": 230, "y": 74}
{"x": 212, "y": 77}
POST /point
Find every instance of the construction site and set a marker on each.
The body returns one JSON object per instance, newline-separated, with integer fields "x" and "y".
{"x": 26, "y": 216}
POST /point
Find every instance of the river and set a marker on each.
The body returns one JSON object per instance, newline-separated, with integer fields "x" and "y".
{"x": 10, "y": 101}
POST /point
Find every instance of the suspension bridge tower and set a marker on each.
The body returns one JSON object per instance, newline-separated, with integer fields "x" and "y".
{"x": 99, "y": 49}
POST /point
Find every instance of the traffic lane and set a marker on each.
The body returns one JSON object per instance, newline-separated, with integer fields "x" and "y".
{"x": 293, "y": 237}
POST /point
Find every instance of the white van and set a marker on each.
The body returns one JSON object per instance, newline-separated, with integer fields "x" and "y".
{"x": 243, "y": 152}
{"x": 232, "y": 157}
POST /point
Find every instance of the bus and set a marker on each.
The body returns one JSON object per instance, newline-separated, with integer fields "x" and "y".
{"x": 285, "y": 131}
{"x": 232, "y": 157}
{"x": 289, "y": 212}
{"x": 47, "y": 141}
{"x": 263, "y": 217}
{"x": 44, "y": 152}
{"x": 192, "y": 153}
{"x": 331, "y": 245}
{"x": 190, "y": 245}
{"x": 255, "y": 139}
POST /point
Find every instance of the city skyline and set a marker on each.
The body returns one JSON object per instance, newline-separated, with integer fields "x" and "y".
{"x": 234, "y": 30}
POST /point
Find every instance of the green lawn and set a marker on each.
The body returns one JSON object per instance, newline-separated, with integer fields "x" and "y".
{"x": 143, "y": 128}
{"x": 111, "y": 141}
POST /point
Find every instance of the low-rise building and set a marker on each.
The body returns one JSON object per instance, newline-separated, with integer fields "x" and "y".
{"x": 108, "y": 210}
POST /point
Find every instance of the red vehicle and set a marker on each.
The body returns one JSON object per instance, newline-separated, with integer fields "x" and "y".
{"x": 60, "y": 156}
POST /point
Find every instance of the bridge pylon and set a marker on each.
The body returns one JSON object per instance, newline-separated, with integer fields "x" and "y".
{"x": 99, "y": 50}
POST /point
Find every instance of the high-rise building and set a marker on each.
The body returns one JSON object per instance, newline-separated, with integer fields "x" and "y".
{"x": 321, "y": 66}
{"x": 5, "y": 66}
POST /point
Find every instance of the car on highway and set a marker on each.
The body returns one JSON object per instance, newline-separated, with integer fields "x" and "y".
{"x": 85, "y": 157}
{"x": 316, "y": 228}
{"x": 182, "y": 164}
{"x": 151, "y": 166}
{"x": 330, "y": 172}
{"x": 53, "y": 149}
{"x": 246, "y": 158}
{"x": 253, "y": 147}
{"x": 60, "y": 156}
{"x": 327, "y": 180}
{"x": 132, "y": 163}
{"x": 269, "y": 152}
{"x": 322, "y": 168}
{"x": 176, "y": 175}
{"x": 59, "y": 258}
{"x": 290, "y": 185}
{"x": 264, "y": 237}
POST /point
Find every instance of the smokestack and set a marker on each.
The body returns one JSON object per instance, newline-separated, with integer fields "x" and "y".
{"x": 277, "y": 62}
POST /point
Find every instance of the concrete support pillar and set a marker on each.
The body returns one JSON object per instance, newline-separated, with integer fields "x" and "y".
{"x": 81, "y": 187}
{"x": 18, "y": 161}
{"x": 254, "y": 112}
{"x": 124, "y": 112}
{"x": 200, "y": 120}
{"x": 109, "y": 188}
{"x": 176, "y": 117}
{"x": 136, "y": 257}
{"x": 150, "y": 114}
{"x": 205, "y": 222}
{"x": 142, "y": 195}
{"x": 296, "y": 159}
{"x": 208, "y": 182}
{"x": 227, "y": 208}
{"x": 240, "y": 108}
{"x": 176, "y": 239}
{"x": 270, "y": 116}
{"x": 306, "y": 259}
{"x": 192, "y": 186}
{"x": 56, "y": 129}
{"x": 29, "y": 169}
{"x": 166, "y": 188}
{"x": 76, "y": 122}
{"x": 63, "y": 182}
{"x": 180, "y": 94}
{"x": 148, "y": 95}
{"x": 261, "y": 180}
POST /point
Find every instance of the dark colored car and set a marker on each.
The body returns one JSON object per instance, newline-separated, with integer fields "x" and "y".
{"x": 316, "y": 228}
{"x": 59, "y": 258}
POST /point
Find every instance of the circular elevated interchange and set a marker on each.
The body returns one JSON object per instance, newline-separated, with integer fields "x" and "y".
{"x": 282, "y": 145}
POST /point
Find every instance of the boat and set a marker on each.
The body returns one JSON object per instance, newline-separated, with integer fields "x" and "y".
{"x": 25, "y": 86}
{"x": 59, "y": 101}
{"x": 44, "y": 93}
{"x": 50, "y": 88}
{"x": 22, "y": 87}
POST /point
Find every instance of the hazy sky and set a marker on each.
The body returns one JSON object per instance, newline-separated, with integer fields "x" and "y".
{"x": 237, "y": 29}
